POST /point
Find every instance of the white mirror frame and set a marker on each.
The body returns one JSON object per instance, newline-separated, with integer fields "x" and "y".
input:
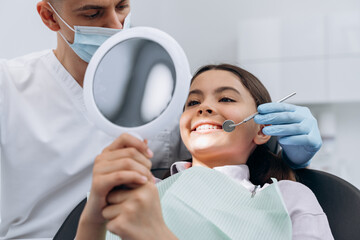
{"x": 181, "y": 90}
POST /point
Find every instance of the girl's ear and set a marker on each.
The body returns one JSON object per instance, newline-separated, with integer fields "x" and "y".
{"x": 260, "y": 137}
{"x": 47, "y": 16}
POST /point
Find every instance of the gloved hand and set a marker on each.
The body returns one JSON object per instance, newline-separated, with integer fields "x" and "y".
{"x": 296, "y": 129}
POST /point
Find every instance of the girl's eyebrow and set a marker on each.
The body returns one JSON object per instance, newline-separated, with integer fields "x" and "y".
{"x": 196, "y": 91}
{"x": 216, "y": 91}
{"x": 221, "y": 89}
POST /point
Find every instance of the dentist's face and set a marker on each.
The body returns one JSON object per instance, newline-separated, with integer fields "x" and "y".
{"x": 216, "y": 96}
{"x": 99, "y": 13}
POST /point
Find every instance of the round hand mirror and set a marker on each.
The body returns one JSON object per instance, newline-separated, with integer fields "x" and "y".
{"x": 136, "y": 82}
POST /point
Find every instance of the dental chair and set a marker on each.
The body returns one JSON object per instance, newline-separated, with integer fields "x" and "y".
{"x": 339, "y": 199}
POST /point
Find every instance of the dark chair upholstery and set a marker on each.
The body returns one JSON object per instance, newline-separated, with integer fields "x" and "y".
{"x": 67, "y": 230}
{"x": 339, "y": 199}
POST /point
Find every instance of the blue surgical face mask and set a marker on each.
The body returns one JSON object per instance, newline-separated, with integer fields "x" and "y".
{"x": 88, "y": 39}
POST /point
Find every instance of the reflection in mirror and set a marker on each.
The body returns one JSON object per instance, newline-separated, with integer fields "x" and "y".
{"x": 134, "y": 82}
{"x": 160, "y": 79}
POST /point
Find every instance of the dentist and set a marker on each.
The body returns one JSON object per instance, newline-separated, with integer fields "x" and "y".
{"x": 47, "y": 142}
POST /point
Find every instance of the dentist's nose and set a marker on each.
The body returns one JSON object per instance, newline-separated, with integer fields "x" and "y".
{"x": 115, "y": 21}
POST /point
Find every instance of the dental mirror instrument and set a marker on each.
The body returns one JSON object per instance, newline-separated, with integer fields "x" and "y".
{"x": 229, "y": 125}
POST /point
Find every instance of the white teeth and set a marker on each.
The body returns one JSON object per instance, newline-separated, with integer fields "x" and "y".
{"x": 207, "y": 127}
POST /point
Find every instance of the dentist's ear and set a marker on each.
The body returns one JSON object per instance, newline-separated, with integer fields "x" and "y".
{"x": 260, "y": 137}
{"x": 47, "y": 16}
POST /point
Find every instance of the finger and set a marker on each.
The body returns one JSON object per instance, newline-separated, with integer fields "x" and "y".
{"x": 298, "y": 140}
{"x": 276, "y": 107}
{"x": 126, "y": 164}
{"x": 111, "y": 211}
{"x": 152, "y": 179}
{"x": 142, "y": 193}
{"x": 104, "y": 184}
{"x": 118, "y": 196}
{"x": 126, "y": 141}
{"x": 311, "y": 141}
{"x": 118, "y": 226}
{"x": 286, "y": 130}
{"x": 132, "y": 153}
{"x": 279, "y": 118}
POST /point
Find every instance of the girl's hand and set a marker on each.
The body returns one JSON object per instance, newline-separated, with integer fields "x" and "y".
{"x": 136, "y": 214}
{"x": 124, "y": 163}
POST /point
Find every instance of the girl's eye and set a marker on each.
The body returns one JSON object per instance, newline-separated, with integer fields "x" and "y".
{"x": 192, "y": 103}
{"x": 225, "y": 99}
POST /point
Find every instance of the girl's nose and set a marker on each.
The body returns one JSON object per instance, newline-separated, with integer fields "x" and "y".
{"x": 209, "y": 111}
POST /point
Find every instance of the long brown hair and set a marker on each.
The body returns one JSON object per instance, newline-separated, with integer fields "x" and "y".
{"x": 263, "y": 164}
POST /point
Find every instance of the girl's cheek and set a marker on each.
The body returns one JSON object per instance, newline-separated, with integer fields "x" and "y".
{"x": 185, "y": 121}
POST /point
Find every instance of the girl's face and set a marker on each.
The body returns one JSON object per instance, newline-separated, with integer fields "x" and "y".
{"x": 216, "y": 96}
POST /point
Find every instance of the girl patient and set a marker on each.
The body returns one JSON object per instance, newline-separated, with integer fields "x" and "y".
{"x": 234, "y": 187}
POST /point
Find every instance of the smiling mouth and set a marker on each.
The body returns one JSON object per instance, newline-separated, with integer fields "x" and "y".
{"x": 207, "y": 127}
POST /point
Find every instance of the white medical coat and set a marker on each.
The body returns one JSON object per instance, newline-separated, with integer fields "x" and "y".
{"x": 48, "y": 145}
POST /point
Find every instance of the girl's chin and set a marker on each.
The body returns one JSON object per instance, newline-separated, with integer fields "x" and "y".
{"x": 206, "y": 146}
{"x": 204, "y": 143}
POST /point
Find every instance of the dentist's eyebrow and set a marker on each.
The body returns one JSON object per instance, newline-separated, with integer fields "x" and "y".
{"x": 222, "y": 89}
{"x": 93, "y": 6}
{"x": 88, "y": 7}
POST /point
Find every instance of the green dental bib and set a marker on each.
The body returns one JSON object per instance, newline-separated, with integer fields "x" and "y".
{"x": 202, "y": 203}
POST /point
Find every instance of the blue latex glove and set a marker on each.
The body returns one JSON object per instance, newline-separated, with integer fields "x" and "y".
{"x": 296, "y": 129}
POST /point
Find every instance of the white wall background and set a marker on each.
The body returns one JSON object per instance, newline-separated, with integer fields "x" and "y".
{"x": 22, "y": 30}
{"x": 209, "y": 33}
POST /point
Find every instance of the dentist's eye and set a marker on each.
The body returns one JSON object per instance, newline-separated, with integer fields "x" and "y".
{"x": 93, "y": 15}
{"x": 192, "y": 103}
{"x": 123, "y": 4}
{"x": 122, "y": 7}
{"x": 226, "y": 99}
